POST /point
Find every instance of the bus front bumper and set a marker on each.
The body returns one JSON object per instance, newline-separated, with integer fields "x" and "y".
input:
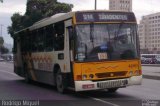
{"x": 117, "y": 83}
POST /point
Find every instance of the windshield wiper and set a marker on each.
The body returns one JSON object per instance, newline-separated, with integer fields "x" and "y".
{"x": 119, "y": 28}
{"x": 91, "y": 34}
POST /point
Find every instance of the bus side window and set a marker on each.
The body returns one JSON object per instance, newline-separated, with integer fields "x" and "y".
{"x": 21, "y": 39}
{"x": 32, "y": 40}
{"x": 24, "y": 40}
{"x": 40, "y": 40}
{"x": 49, "y": 38}
{"x": 29, "y": 43}
{"x": 33, "y": 37}
{"x": 59, "y": 36}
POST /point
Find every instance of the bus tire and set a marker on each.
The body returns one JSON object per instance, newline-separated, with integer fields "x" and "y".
{"x": 60, "y": 82}
{"x": 112, "y": 90}
{"x": 27, "y": 80}
{"x": 26, "y": 75}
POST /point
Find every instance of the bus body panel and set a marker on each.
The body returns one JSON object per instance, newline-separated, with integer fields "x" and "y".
{"x": 18, "y": 62}
{"x": 107, "y": 84}
{"x": 40, "y": 65}
{"x": 107, "y": 70}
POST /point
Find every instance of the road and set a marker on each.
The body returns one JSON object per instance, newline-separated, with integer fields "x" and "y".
{"x": 13, "y": 87}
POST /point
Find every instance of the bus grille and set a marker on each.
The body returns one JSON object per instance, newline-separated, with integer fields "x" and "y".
{"x": 111, "y": 74}
{"x": 112, "y": 84}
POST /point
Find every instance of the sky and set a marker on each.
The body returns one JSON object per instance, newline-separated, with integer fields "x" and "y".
{"x": 8, "y": 7}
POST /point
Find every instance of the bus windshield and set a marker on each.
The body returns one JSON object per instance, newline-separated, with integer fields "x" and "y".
{"x": 97, "y": 42}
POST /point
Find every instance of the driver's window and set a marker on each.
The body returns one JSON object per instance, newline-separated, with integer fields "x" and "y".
{"x": 71, "y": 37}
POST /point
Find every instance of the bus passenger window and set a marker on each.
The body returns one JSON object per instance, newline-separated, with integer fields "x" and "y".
{"x": 25, "y": 44}
{"x": 40, "y": 40}
{"x": 49, "y": 38}
{"x": 34, "y": 40}
{"x": 35, "y": 36}
{"x": 59, "y": 37}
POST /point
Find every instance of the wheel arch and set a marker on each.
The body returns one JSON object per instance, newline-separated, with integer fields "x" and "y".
{"x": 56, "y": 68}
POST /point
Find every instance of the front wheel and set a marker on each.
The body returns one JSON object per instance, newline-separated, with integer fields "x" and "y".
{"x": 26, "y": 75}
{"x": 27, "y": 80}
{"x": 59, "y": 82}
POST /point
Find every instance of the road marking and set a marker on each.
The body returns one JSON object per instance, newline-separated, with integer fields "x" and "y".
{"x": 100, "y": 100}
{"x": 9, "y": 73}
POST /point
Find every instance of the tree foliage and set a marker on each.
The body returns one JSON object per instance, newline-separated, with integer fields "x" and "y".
{"x": 1, "y": 1}
{"x": 35, "y": 11}
{"x": 1, "y": 41}
{"x": 16, "y": 23}
{"x": 2, "y": 48}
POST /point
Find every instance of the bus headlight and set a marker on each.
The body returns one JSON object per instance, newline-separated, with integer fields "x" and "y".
{"x": 91, "y": 76}
{"x": 84, "y": 76}
{"x": 137, "y": 72}
{"x": 131, "y": 73}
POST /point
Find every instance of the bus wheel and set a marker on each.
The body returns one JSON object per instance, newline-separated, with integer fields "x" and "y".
{"x": 59, "y": 82}
{"x": 112, "y": 90}
{"x": 26, "y": 75}
{"x": 27, "y": 80}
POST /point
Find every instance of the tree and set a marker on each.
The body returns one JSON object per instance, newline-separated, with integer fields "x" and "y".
{"x": 4, "y": 50}
{"x": 35, "y": 11}
{"x": 16, "y": 24}
{"x": 1, "y": 41}
{"x": 1, "y": 1}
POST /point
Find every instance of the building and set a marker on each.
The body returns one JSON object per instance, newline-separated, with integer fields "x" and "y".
{"x": 149, "y": 33}
{"x": 122, "y": 5}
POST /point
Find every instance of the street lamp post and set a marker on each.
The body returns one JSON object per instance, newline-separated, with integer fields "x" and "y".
{"x": 95, "y": 4}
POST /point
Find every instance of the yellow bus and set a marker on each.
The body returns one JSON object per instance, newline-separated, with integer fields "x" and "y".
{"x": 82, "y": 50}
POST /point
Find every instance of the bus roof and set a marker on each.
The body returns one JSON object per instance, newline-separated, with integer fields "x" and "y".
{"x": 60, "y": 17}
{"x": 49, "y": 20}
{"x": 53, "y": 19}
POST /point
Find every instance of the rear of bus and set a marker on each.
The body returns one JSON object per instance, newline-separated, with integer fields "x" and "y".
{"x": 106, "y": 50}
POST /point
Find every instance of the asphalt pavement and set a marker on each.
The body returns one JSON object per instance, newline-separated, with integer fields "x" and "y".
{"x": 13, "y": 88}
{"x": 151, "y": 71}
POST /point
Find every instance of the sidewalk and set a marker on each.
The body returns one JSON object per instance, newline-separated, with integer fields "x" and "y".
{"x": 151, "y": 72}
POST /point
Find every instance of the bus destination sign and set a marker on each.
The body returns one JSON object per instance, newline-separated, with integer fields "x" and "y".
{"x": 104, "y": 17}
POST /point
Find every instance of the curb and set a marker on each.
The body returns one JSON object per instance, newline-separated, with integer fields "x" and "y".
{"x": 151, "y": 77}
{"x": 154, "y": 65}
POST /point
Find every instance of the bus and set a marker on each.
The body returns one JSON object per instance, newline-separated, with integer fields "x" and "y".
{"x": 81, "y": 51}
